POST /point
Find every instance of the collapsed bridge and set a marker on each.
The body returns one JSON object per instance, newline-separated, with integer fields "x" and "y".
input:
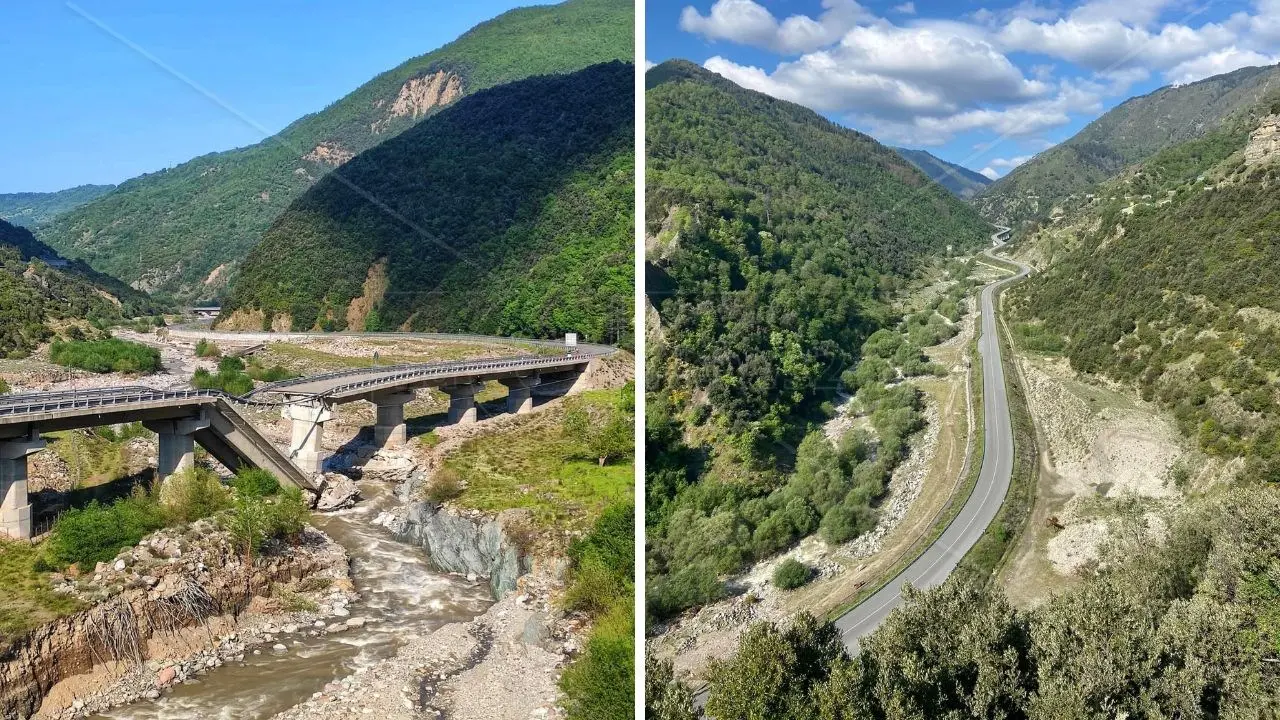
{"x": 184, "y": 418}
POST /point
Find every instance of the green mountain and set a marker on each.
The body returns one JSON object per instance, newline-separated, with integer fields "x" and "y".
{"x": 41, "y": 292}
{"x": 1129, "y": 133}
{"x": 775, "y": 240}
{"x": 1165, "y": 281}
{"x": 182, "y": 231}
{"x": 510, "y": 212}
{"x": 31, "y": 209}
{"x": 960, "y": 180}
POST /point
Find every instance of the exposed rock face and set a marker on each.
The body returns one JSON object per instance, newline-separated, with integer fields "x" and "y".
{"x": 464, "y": 545}
{"x": 375, "y": 288}
{"x": 150, "y": 595}
{"x": 419, "y": 95}
{"x": 1264, "y": 143}
{"x": 329, "y": 153}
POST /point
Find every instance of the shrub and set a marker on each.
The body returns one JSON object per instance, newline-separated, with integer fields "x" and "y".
{"x": 193, "y": 494}
{"x": 96, "y": 533}
{"x": 234, "y": 382}
{"x": 790, "y": 574}
{"x": 600, "y": 685}
{"x": 255, "y": 482}
{"x": 445, "y": 486}
{"x": 255, "y": 520}
{"x": 287, "y": 514}
{"x": 206, "y": 349}
{"x": 4, "y": 387}
{"x": 230, "y": 364}
{"x": 104, "y": 356}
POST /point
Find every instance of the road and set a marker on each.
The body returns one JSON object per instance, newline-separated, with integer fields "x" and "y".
{"x": 936, "y": 563}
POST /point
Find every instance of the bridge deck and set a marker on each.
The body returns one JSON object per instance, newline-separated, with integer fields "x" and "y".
{"x": 345, "y": 385}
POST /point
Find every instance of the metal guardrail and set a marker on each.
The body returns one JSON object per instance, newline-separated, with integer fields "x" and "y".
{"x": 30, "y": 403}
{"x": 394, "y": 373}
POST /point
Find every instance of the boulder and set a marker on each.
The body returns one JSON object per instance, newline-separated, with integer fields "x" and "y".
{"x": 336, "y": 493}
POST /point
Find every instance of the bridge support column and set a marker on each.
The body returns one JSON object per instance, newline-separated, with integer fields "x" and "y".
{"x": 15, "y": 507}
{"x": 305, "y": 447}
{"x": 462, "y": 402}
{"x": 389, "y": 429}
{"x": 520, "y": 393}
{"x": 556, "y": 384}
{"x": 177, "y": 444}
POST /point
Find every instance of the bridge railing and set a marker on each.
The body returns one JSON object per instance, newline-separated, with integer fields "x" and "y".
{"x": 32, "y": 403}
{"x": 393, "y": 373}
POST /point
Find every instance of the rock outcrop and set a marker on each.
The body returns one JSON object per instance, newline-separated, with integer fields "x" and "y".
{"x": 1264, "y": 143}
{"x": 472, "y": 546}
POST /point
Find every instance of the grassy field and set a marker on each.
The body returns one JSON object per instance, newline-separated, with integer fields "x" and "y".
{"x": 539, "y": 467}
{"x": 27, "y": 600}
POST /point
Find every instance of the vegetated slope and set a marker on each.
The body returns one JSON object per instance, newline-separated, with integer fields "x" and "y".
{"x": 960, "y": 180}
{"x": 1187, "y": 627}
{"x": 29, "y": 209}
{"x": 40, "y": 292}
{"x": 775, "y": 240}
{"x": 181, "y": 231}
{"x": 1129, "y": 133}
{"x": 508, "y": 213}
{"x": 1166, "y": 282}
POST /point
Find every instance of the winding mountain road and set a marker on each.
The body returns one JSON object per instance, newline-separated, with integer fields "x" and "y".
{"x": 936, "y": 563}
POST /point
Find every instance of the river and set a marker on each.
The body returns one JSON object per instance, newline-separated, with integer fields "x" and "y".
{"x": 400, "y": 593}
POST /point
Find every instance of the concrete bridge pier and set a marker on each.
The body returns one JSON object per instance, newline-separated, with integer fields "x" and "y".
{"x": 389, "y": 429}
{"x": 556, "y": 384}
{"x": 462, "y": 402}
{"x": 177, "y": 444}
{"x": 15, "y": 507}
{"x": 305, "y": 447}
{"x": 520, "y": 393}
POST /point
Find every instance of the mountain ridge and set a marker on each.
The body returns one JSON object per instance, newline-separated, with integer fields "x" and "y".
{"x": 960, "y": 180}
{"x": 31, "y": 209}
{"x": 506, "y": 213}
{"x": 1127, "y": 134}
{"x": 182, "y": 231}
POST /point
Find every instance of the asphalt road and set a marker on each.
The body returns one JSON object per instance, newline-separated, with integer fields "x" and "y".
{"x": 935, "y": 565}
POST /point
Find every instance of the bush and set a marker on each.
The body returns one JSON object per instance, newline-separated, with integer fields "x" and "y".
{"x": 104, "y": 356}
{"x": 193, "y": 494}
{"x": 287, "y": 515}
{"x": 445, "y": 486}
{"x": 255, "y": 520}
{"x": 255, "y": 482}
{"x": 96, "y": 533}
{"x": 232, "y": 383}
{"x": 791, "y": 574}
{"x": 4, "y": 387}
{"x": 600, "y": 685}
{"x": 206, "y": 349}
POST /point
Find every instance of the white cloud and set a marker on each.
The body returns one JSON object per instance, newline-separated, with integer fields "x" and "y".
{"x": 928, "y": 79}
{"x": 1110, "y": 45}
{"x": 1216, "y": 63}
{"x": 1000, "y": 166}
{"x": 748, "y": 23}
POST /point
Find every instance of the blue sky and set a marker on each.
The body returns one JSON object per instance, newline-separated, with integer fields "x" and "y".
{"x": 983, "y": 83}
{"x": 78, "y": 105}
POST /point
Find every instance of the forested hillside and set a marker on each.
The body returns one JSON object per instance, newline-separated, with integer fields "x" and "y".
{"x": 1187, "y": 628}
{"x": 960, "y": 180}
{"x": 1130, "y": 133}
{"x": 508, "y": 213}
{"x": 29, "y": 209}
{"x": 1167, "y": 280}
{"x": 39, "y": 291}
{"x": 182, "y": 231}
{"x": 775, "y": 241}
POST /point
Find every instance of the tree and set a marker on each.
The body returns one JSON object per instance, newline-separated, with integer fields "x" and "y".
{"x": 665, "y": 697}
{"x": 774, "y": 673}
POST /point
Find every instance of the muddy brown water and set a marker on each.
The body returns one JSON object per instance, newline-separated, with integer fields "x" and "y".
{"x": 399, "y": 591}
